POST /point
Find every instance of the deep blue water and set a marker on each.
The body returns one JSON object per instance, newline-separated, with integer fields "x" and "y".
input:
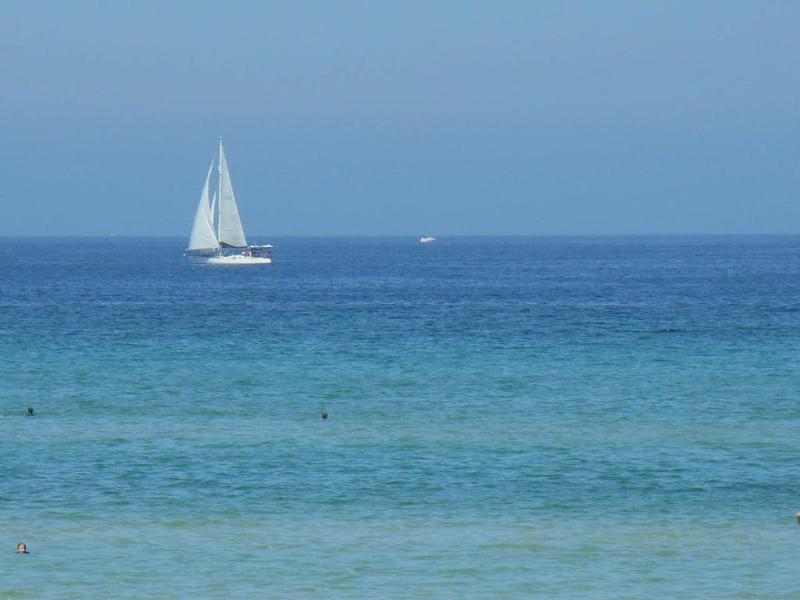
{"x": 509, "y": 417}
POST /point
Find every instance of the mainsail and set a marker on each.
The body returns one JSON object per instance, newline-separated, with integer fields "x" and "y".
{"x": 214, "y": 208}
{"x": 229, "y": 228}
{"x": 203, "y": 237}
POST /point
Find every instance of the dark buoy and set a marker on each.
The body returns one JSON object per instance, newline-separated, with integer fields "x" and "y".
{"x": 30, "y": 411}
{"x": 324, "y": 415}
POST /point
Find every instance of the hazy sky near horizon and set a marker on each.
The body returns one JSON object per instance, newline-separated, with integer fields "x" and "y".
{"x": 402, "y": 117}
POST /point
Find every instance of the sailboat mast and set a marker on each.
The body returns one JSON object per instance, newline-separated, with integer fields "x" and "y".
{"x": 219, "y": 195}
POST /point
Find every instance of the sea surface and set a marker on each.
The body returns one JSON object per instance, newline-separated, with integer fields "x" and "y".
{"x": 553, "y": 417}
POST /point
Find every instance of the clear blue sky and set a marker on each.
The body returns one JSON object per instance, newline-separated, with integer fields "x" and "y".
{"x": 402, "y": 117}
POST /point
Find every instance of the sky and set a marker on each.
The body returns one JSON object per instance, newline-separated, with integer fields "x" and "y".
{"x": 402, "y": 118}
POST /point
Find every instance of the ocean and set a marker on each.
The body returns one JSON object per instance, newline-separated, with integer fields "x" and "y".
{"x": 510, "y": 417}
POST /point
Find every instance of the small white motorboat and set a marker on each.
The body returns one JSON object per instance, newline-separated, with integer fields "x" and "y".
{"x": 425, "y": 239}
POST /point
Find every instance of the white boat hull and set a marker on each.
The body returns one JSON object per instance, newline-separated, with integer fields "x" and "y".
{"x": 238, "y": 259}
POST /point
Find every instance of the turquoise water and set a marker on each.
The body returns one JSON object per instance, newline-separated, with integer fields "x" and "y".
{"x": 509, "y": 417}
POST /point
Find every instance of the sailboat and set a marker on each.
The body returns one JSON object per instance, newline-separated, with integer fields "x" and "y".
{"x": 217, "y": 234}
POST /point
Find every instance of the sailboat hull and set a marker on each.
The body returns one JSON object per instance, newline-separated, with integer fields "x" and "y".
{"x": 238, "y": 259}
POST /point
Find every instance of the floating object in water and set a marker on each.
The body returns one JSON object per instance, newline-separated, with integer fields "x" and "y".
{"x": 426, "y": 239}
{"x": 325, "y": 418}
{"x": 30, "y": 411}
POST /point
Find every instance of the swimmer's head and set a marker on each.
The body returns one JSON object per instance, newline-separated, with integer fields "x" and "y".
{"x": 22, "y": 548}
{"x": 30, "y": 411}
{"x": 324, "y": 415}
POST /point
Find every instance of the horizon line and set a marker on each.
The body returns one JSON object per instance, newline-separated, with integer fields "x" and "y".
{"x": 404, "y": 235}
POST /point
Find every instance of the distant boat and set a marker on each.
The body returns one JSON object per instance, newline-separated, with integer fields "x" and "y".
{"x": 426, "y": 239}
{"x": 217, "y": 234}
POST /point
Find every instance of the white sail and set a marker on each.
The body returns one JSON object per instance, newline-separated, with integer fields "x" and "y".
{"x": 203, "y": 237}
{"x": 214, "y": 210}
{"x": 230, "y": 230}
